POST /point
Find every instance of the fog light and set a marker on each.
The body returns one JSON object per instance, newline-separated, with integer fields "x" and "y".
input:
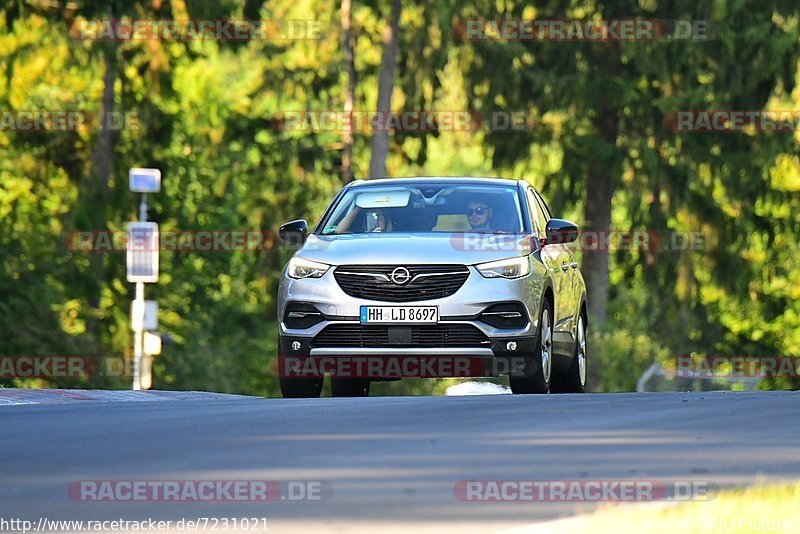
{"x": 511, "y": 345}
{"x": 295, "y": 345}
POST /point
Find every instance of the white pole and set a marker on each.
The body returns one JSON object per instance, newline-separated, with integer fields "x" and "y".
{"x": 138, "y": 335}
{"x": 138, "y": 331}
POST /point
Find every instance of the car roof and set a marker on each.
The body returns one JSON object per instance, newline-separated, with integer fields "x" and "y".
{"x": 435, "y": 180}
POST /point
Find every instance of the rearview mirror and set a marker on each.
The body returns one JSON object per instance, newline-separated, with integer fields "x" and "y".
{"x": 561, "y": 232}
{"x": 294, "y": 233}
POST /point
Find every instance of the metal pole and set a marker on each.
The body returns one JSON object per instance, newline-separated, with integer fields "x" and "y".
{"x": 138, "y": 336}
{"x": 138, "y": 332}
{"x": 143, "y": 208}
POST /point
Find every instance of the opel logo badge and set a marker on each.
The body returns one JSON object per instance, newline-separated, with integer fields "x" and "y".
{"x": 400, "y": 276}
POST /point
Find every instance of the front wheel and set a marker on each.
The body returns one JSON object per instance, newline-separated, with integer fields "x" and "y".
{"x": 574, "y": 381}
{"x": 538, "y": 368}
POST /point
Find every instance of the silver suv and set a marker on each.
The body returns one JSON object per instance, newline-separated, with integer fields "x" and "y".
{"x": 429, "y": 277}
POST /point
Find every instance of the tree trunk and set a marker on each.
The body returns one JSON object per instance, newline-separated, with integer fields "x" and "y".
{"x": 97, "y": 187}
{"x": 597, "y": 215}
{"x": 602, "y": 181}
{"x": 380, "y": 137}
{"x": 350, "y": 93}
{"x": 103, "y": 153}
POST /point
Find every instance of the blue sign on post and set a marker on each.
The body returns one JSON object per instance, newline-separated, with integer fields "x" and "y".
{"x": 144, "y": 180}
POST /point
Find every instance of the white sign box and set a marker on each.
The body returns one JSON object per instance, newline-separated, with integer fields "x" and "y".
{"x": 142, "y": 249}
{"x": 146, "y": 319}
{"x": 152, "y": 344}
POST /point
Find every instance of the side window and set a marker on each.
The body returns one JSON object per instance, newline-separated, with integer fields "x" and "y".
{"x": 547, "y": 214}
{"x": 538, "y": 216}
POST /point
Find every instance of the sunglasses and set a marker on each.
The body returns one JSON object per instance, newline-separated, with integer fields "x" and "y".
{"x": 476, "y": 211}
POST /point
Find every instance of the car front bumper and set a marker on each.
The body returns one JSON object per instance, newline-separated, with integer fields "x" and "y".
{"x": 502, "y": 350}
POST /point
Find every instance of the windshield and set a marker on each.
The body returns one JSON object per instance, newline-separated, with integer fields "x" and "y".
{"x": 426, "y": 209}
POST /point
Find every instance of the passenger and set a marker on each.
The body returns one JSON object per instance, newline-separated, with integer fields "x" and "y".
{"x": 378, "y": 221}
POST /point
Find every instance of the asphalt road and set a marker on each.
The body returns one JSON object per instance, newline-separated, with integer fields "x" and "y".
{"x": 387, "y": 463}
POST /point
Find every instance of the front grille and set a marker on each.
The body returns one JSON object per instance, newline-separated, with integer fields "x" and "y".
{"x": 373, "y": 282}
{"x": 376, "y": 336}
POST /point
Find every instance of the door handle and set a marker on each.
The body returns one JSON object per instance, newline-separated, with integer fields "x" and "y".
{"x": 574, "y": 264}
{"x": 564, "y": 267}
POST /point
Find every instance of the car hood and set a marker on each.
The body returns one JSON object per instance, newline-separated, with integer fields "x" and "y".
{"x": 411, "y": 248}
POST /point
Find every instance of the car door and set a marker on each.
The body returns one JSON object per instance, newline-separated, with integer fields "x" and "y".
{"x": 562, "y": 261}
{"x": 569, "y": 265}
{"x": 554, "y": 258}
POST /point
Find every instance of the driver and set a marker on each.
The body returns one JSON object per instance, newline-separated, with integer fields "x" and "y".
{"x": 479, "y": 214}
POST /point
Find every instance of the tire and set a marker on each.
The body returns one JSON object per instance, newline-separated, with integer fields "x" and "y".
{"x": 538, "y": 368}
{"x": 574, "y": 381}
{"x": 350, "y": 387}
{"x": 301, "y": 388}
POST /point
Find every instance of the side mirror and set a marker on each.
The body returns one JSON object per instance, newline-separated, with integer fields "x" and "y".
{"x": 294, "y": 233}
{"x": 560, "y": 231}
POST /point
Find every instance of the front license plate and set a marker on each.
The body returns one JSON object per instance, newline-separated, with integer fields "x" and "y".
{"x": 399, "y": 314}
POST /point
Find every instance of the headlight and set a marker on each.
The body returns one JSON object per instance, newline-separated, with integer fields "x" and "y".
{"x": 510, "y": 268}
{"x": 300, "y": 268}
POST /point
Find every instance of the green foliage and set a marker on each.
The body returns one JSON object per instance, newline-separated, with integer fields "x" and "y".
{"x": 208, "y": 115}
